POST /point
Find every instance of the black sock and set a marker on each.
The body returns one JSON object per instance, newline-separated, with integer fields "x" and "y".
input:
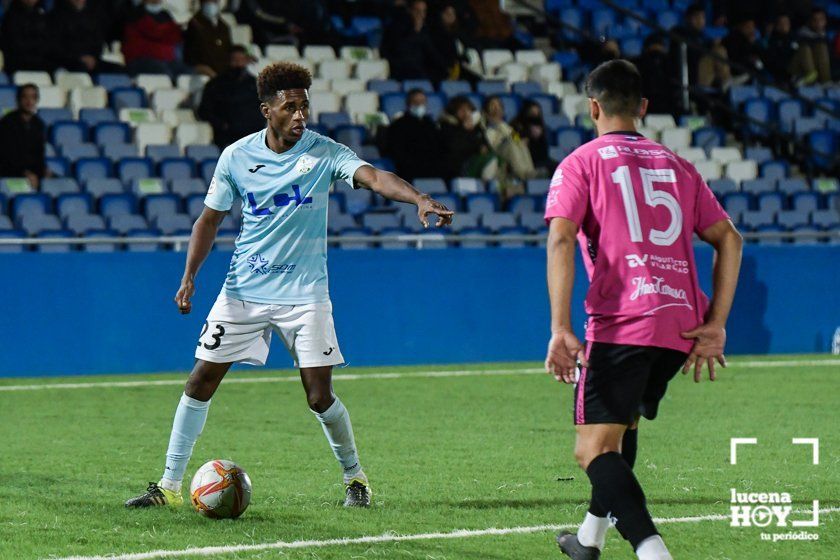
{"x": 629, "y": 444}
{"x": 616, "y": 490}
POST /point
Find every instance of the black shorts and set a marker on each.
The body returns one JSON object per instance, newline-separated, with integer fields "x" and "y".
{"x": 623, "y": 381}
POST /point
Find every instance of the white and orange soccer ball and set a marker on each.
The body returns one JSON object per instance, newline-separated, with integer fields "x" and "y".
{"x": 220, "y": 489}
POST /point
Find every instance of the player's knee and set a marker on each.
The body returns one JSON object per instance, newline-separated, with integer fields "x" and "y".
{"x": 585, "y": 454}
{"x": 318, "y": 400}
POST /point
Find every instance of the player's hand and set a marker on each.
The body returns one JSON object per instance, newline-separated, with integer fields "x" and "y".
{"x": 709, "y": 341}
{"x": 564, "y": 353}
{"x": 185, "y": 293}
{"x": 428, "y": 205}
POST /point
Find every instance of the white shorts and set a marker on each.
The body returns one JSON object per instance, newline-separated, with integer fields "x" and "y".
{"x": 240, "y": 331}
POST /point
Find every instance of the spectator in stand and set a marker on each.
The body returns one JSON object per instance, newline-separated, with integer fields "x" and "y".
{"x": 207, "y": 41}
{"x": 151, "y": 41}
{"x": 703, "y": 70}
{"x": 229, "y": 102}
{"x": 409, "y": 47}
{"x": 23, "y": 139}
{"x": 77, "y": 37}
{"x": 515, "y": 163}
{"x": 530, "y": 126}
{"x": 413, "y": 140}
{"x": 813, "y": 42}
{"x": 451, "y": 40}
{"x": 657, "y": 80}
{"x": 786, "y": 60}
{"x": 464, "y": 145}
{"x": 743, "y": 48}
{"x": 494, "y": 27}
{"x": 25, "y": 38}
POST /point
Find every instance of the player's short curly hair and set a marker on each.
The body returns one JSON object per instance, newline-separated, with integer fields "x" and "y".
{"x": 279, "y": 76}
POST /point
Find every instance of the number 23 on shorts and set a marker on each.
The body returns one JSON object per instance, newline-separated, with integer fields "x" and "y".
{"x": 217, "y": 336}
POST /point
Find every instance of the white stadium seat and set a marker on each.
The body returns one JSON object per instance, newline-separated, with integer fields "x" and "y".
{"x": 709, "y": 170}
{"x": 372, "y": 70}
{"x": 513, "y": 72}
{"x": 361, "y": 102}
{"x": 574, "y": 104}
{"x": 561, "y": 89}
{"x": 317, "y": 53}
{"x": 281, "y": 52}
{"x": 40, "y": 79}
{"x": 88, "y": 97}
{"x": 168, "y": 98}
{"x": 305, "y": 62}
{"x": 660, "y": 122}
{"x": 358, "y": 53}
{"x": 193, "y": 133}
{"x": 52, "y": 97}
{"x": 347, "y": 86}
{"x": 334, "y": 69}
{"x": 174, "y": 117}
{"x": 70, "y": 80}
{"x": 151, "y": 133}
{"x": 241, "y": 35}
{"x": 649, "y": 133}
{"x": 474, "y": 61}
{"x": 676, "y": 138}
{"x": 692, "y": 155}
{"x": 724, "y": 155}
{"x": 137, "y": 115}
{"x": 323, "y": 102}
{"x": 546, "y": 73}
{"x": 320, "y": 84}
{"x": 742, "y": 170}
{"x": 494, "y": 58}
{"x": 530, "y": 57}
{"x": 152, "y": 82}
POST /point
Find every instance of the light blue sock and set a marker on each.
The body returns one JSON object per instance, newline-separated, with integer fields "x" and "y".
{"x": 339, "y": 431}
{"x": 190, "y": 417}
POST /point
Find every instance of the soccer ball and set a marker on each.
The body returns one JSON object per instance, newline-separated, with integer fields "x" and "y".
{"x": 220, "y": 489}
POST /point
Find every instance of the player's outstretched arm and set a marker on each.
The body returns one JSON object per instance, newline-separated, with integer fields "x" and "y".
{"x": 201, "y": 242}
{"x": 564, "y": 349}
{"x": 710, "y": 338}
{"x": 392, "y": 187}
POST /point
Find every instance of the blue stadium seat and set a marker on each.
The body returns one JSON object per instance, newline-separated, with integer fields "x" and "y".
{"x": 549, "y": 105}
{"x": 602, "y": 21}
{"x": 123, "y": 223}
{"x": 129, "y": 169}
{"x": 12, "y": 234}
{"x": 173, "y": 224}
{"x": 194, "y": 205}
{"x": 155, "y": 205}
{"x": 127, "y": 97}
{"x": 537, "y": 187}
{"x": 55, "y": 247}
{"x": 826, "y": 218}
{"x": 33, "y": 224}
{"x": 474, "y": 243}
{"x": 80, "y": 223}
{"x": 482, "y": 203}
{"x": 105, "y": 185}
{"x": 739, "y": 94}
{"x": 387, "y": 236}
{"x": 806, "y": 125}
{"x": 392, "y": 104}
{"x": 435, "y": 104}
{"x": 331, "y": 120}
{"x": 376, "y": 222}
{"x": 142, "y": 247}
{"x": 157, "y": 152}
{"x": 92, "y": 117}
{"x": 50, "y": 116}
{"x": 774, "y": 228}
{"x": 101, "y": 247}
{"x": 756, "y": 186}
{"x": 791, "y": 219}
{"x": 357, "y": 201}
{"x": 176, "y": 168}
{"x": 498, "y": 220}
{"x": 369, "y": 152}
{"x": 199, "y": 152}
{"x": 491, "y": 87}
{"x": 758, "y": 154}
{"x": 708, "y": 137}
{"x": 792, "y": 185}
{"x": 569, "y": 138}
{"x": 73, "y": 203}
{"x": 668, "y": 19}
{"x": 760, "y": 110}
{"x": 8, "y": 96}
{"x": 771, "y": 202}
{"x": 806, "y": 240}
{"x": 30, "y": 203}
{"x": 206, "y": 169}
{"x": 554, "y": 122}
{"x": 631, "y": 47}
{"x": 451, "y": 88}
{"x": 790, "y": 110}
{"x": 350, "y": 134}
{"x": 805, "y": 201}
{"x": 511, "y": 104}
{"x": 74, "y": 152}
{"x": 737, "y": 202}
{"x": 824, "y": 146}
{"x": 723, "y": 186}
{"x": 111, "y": 205}
{"x": 775, "y": 94}
{"x": 811, "y": 92}
{"x": 754, "y": 219}
{"x": 106, "y": 133}
{"x": 186, "y": 187}
{"x": 506, "y": 233}
{"x": 118, "y": 151}
{"x": 451, "y": 201}
{"x": 338, "y": 221}
{"x": 431, "y": 185}
{"x": 574, "y": 18}
{"x": 381, "y": 87}
{"x": 112, "y": 81}
{"x": 534, "y": 221}
{"x": 464, "y": 221}
{"x": 317, "y": 128}
{"x": 775, "y": 170}
{"x": 527, "y": 89}
{"x": 467, "y": 185}
{"x": 357, "y": 231}
{"x": 55, "y": 186}
{"x": 524, "y": 204}
{"x": 68, "y": 133}
{"x": 425, "y": 85}
{"x": 384, "y": 164}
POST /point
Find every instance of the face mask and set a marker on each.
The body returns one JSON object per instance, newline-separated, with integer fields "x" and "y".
{"x": 418, "y": 111}
{"x": 154, "y": 8}
{"x": 210, "y": 10}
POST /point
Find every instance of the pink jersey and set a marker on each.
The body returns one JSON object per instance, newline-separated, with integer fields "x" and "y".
{"x": 638, "y": 206}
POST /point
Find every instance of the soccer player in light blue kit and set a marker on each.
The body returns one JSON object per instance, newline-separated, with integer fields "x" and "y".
{"x": 278, "y": 273}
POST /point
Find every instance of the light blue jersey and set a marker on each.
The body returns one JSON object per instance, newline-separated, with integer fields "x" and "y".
{"x": 281, "y": 251}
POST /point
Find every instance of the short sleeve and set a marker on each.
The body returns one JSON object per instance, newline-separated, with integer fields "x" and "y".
{"x": 222, "y": 190}
{"x": 707, "y": 209}
{"x": 345, "y": 163}
{"x": 568, "y": 192}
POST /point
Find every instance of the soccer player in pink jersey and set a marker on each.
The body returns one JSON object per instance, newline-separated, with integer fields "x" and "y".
{"x": 634, "y": 207}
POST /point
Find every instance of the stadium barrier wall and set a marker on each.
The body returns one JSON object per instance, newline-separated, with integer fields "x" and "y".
{"x": 92, "y": 313}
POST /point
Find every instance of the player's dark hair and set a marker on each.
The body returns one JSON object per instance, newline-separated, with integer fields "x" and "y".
{"x": 280, "y": 76}
{"x": 24, "y": 87}
{"x": 617, "y": 86}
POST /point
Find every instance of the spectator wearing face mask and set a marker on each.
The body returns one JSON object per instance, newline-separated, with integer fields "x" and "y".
{"x": 465, "y": 148}
{"x": 207, "y": 40}
{"x": 413, "y": 140}
{"x": 229, "y": 102}
{"x": 151, "y": 40}
{"x": 530, "y": 126}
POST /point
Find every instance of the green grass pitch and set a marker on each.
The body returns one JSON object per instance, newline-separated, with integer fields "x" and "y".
{"x": 443, "y": 453}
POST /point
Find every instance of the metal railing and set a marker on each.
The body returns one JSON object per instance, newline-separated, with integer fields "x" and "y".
{"x": 419, "y": 241}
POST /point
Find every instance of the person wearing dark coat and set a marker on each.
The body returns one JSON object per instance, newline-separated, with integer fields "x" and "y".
{"x": 77, "y": 37}
{"x": 23, "y": 139}
{"x": 413, "y": 140}
{"x": 229, "y": 102}
{"x": 465, "y": 147}
{"x": 207, "y": 40}
{"x": 25, "y": 38}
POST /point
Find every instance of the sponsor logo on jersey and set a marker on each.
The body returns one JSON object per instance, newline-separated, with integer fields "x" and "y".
{"x": 608, "y": 152}
{"x": 256, "y": 168}
{"x": 656, "y": 261}
{"x": 212, "y": 188}
{"x": 656, "y": 285}
{"x": 259, "y": 265}
{"x": 635, "y": 260}
{"x": 280, "y": 200}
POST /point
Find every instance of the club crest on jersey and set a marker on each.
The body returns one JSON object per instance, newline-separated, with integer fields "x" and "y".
{"x": 608, "y": 152}
{"x": 305, "y": 164}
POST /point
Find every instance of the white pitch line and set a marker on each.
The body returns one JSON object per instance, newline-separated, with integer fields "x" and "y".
{"x": 376, "y": 539}
{"x": 387, "y": 375}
